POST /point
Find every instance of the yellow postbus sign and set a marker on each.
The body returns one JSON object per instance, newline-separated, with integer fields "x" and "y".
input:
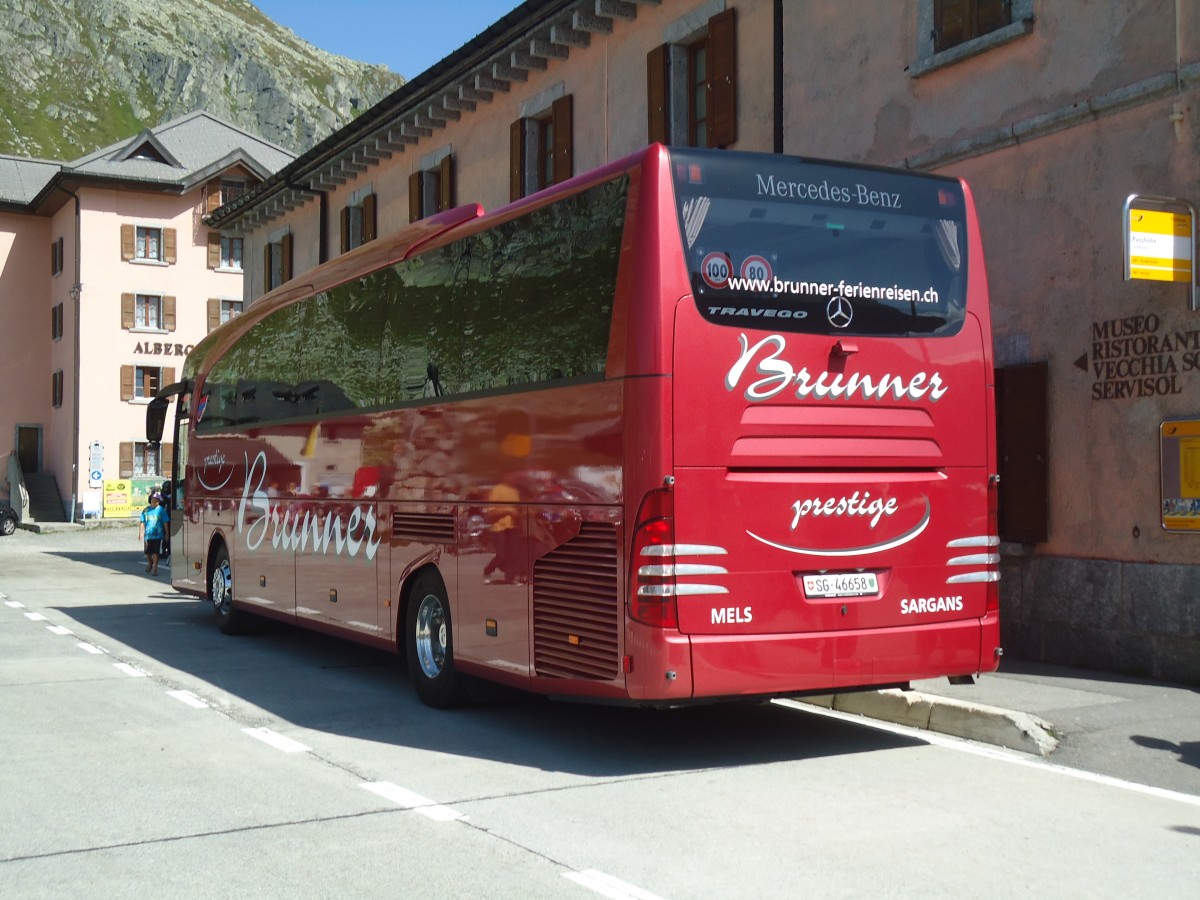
{"x": 1160, "y": 245}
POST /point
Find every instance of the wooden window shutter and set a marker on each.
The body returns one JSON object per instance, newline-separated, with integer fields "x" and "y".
{"x": 212, "y": 196}
{"x": 990, "y": 15}
{"x": 658, "y": 122}
{"x": 344, "y": 221}
{"x": 268, "y": 252}
{"x": 446, "y": 183}
{"x": 951, "y": 23}
{"x": 214, "y": 313}
{"x": 54, "y": 258}
{"x": 368, "y": 218}
{"x": 564, "y": 147}
{"x": 1022, "y": 432}
{"x": 516, "y": 160}
{"x": 126, "y": 460}
{"x": 168, "y": 459}
{"x": 285, "y": 245}
{"x": 168, "y": 377}
{"x": 214, "y": 250}
{"x": 127, "y": 242}
{"x": 722, "y": 79}
{"x": 169, "y": 245}
{"x": 414, "y": 196}
{"x": 126, "y": 382}
{"x": 127, "y": 305}
{"x": 168, "y": 310}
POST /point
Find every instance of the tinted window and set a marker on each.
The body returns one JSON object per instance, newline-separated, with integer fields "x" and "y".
{"x": 526, "y": 303}
{"x": 775, "y": 242}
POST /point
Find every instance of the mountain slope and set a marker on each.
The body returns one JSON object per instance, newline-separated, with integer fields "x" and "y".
{"x": 76, "y": 75}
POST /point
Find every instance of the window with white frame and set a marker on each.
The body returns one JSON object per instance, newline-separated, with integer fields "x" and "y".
{"x": 147, "y": 312}
{"x": 148, "y": 244}
{"x": 147, "y": 459}
{"x": 231, "y": 253}
{"x": 143, "y": 382}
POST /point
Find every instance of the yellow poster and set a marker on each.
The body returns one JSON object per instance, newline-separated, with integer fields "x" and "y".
{"x": 1179, "y": 443}
{"x": 118, "y": 499}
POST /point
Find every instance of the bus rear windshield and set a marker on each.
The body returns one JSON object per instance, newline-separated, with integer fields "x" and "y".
{"x": 779, "y": 243}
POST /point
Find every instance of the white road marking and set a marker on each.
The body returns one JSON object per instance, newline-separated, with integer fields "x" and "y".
{"x": 15, "y": 604}
{"x": 997, "y": 753}
{"x": 131, "y": 671}
{"x": 189, "y": 698}
{"x": 608, "y": 886}
{"x": 90, "y": 648}
{"x": 58, "y": 629}
{"x": 408, "y": 800}
{"x": 278, "y": 741}
{"x": 35, "y": 617}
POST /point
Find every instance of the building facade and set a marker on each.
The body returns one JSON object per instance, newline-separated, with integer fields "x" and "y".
{"x": 108, "y": 276}
{"x": 1054, "y": 112}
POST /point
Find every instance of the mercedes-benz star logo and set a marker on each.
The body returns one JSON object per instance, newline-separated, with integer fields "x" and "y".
{"x": 839, "y": 312}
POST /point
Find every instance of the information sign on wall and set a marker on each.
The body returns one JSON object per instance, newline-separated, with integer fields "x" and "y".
{"x": 1160, "y": 240}
{"x": 1179, "y": 447}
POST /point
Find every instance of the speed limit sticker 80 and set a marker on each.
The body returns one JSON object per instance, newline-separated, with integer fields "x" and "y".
{"x": 716, "y": 269}
{"x": 756, "y": 268}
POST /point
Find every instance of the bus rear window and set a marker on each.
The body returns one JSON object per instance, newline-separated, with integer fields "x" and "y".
{"x": 779, "y": 243}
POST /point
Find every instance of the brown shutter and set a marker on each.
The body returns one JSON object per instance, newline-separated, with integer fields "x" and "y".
{"x": 168, "y": 459}
{"x": 127, "y": 242}
{"x": 446, "y": 183}
{"x": 169, "y": 313}
{"x": 214, "y": 313}
{"x": 169, "y": 245}
{"x": 516, "y": 160}
{"x": 54, "y": 258}
{"x": 951, "y": 23}
{"x": 168, "y": 377}
{"x": 214, "y": 250}
{"x": 212, "y": 196}
{"x": 368, "y": 218}
{"x": 268, "y": 252}
{"x": 1024, "y": 451}
{"x": 722, "y": 79}
{"x": 564, "y": 147}
{"x": 127, "y": 306}
{"x": 658, "y": 127}
{"x": 285, "y": 244}
{"x": 344, "y": 219}
{"x": 990, "y": 15}
{"x": 126, "y": 382}
{"x": 126, "y": 460}
{"x": 414, "y": 196}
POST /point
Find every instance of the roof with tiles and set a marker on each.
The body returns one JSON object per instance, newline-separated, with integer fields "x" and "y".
{"x": 174, "y": 156}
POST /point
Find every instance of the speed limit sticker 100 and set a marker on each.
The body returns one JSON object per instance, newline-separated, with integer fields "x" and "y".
{"x": 715, "y": 270}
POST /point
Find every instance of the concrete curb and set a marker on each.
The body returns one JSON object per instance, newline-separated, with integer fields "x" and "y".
{"x": 67, "y": 527}
{"x": 945, "y": 715}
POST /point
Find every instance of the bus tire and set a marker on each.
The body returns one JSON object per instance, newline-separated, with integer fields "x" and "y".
{"x": 429, "y": 644}
{"x": 220, "y": 593}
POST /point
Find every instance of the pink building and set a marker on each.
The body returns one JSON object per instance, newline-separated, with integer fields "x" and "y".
{"x": 108, "y": 276}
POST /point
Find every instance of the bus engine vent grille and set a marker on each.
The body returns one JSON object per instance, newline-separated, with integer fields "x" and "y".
{"x": 576, "y": 611}
{"x": 424, "y": 528}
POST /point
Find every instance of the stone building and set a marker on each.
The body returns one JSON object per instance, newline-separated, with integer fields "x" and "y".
{"x": 1054, "y": 112}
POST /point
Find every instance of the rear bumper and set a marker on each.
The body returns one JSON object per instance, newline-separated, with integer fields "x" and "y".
{"x": 774, "y": 664}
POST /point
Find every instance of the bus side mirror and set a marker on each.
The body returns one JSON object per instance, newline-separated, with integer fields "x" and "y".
{"x": 156, "y": 419}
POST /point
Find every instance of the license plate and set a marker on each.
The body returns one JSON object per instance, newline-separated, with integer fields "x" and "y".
{"x": 845, "y": 584}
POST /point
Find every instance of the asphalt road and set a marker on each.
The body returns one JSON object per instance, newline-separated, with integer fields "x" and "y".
{"x": 146, "y": 754}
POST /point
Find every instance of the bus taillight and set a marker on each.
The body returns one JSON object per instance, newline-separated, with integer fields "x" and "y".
{"x": 652, "y": 568}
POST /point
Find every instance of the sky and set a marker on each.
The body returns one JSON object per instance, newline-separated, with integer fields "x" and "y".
{"x": 408, "y": 36}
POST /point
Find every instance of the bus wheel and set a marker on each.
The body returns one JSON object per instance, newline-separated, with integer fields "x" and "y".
{"x": 430, "y": 645}
{"x": 220, "y": 592}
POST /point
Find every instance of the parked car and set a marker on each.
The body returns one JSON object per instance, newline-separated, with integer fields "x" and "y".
{"x": 8, "y": 519}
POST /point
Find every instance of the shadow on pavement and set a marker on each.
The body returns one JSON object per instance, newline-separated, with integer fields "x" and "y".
{"x": 319, "y": 682}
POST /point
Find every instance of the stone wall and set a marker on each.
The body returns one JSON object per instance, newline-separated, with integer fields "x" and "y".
{"x": 1135, "y": 618}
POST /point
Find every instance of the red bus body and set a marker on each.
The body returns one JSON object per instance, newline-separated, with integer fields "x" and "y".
{"x": 726, "y": 510}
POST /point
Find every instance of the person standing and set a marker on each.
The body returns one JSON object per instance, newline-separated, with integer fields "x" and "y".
{"x": 151, "y": 531}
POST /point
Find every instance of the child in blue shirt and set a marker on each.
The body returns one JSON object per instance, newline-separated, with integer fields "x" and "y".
{"x": 151, "y": 532}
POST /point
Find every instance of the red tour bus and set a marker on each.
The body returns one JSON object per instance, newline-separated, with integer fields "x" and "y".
{"x": 697, "y": 424}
